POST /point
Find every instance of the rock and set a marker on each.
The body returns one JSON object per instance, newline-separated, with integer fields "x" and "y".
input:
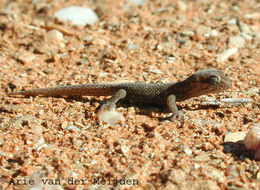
{"x": 233, "y": 21}
{"x": 188, "y": 33}
{"x": 255, "y": 15}
{"x": 77, "y": 15}
{"x": 155, "y": 71}
{"x": 211, "y": 34}
{"x": 136, "y": 2}
{"x": 236, "y": 41}
{"x": 226, "y": 54}
{"x": 73, "y": 128}
{"x": 235, "y": 137}
{"x": 251, "y": 91}
{"x": 131, "y": 46}
{"x": 212, "y": 48}
{"x": 236, "y": 101}
{"x": 111, "y": 117}
{"x": 201, "y": 158}
{"x": 125, "y": 149}
{"x": 54, "y": 36}
{"x": 201, "y": 29}
{"x": 26, "y": 57}
{"x": 181, "y": 5}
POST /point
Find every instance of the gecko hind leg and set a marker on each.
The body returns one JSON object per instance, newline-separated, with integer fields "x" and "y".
{"x": 171, "y": 102}
{"x": 111, "y": 103}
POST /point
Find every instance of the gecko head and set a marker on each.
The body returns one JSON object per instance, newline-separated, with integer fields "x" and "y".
{"x": 209, "y": 81}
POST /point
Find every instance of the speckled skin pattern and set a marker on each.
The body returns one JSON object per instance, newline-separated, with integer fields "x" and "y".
{"x": 200, "y": 83}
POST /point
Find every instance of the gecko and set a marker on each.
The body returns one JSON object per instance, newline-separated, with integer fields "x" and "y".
{"x": 202, "y": 82}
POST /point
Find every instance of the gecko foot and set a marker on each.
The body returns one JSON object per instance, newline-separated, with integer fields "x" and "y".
{"x": 178, "y": 115}
{"x": 111, "y": 103}
{"x": 108, "y": 105}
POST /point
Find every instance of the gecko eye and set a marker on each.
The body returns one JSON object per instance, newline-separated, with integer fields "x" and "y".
{"x": 215, "y": 80}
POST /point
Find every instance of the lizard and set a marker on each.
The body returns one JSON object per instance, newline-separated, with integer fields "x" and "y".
{"x": 202, "y": 82}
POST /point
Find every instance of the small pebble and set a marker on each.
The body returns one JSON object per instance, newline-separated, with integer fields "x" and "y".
{"x": 136, "y": 2}
{"x": 187, "y": 151}
{"x": 171, "y": 59}
{"x": 245, "y": 29}
{"x": 131, "y": 46}
{"x": 160, "y": 10}
{"x": 226, "y": 54}
{"x": 111, "y": 117}
{"x": 252, "y": 91}
{"x": 236, "y": 41}
{"x": 125, "y": 149}
{"x": 182, "y": 6}
{"x": 77, "y": 15}
{"x": 201, "y": 29}
{"x": 227, "y": 101}
{"x": 39, "y": 143}
{"x": 54, "y": 36}
{"x": 26, "y": 57}
{"x": 156, "y": 71}
{"x": 252, "y": 16}
{"x": 236, "y": 101}
{"x": 211, "y": 33}
{"x": 212, "y": 48}
{"x": 232, "y": 21}
{"x": 234, "y": 137}
{"x": 72, "y": 127}
{"x": 232, "y": 172}
{"x": 188, "y": 33}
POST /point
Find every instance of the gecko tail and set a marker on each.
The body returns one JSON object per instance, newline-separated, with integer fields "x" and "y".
{"x": 25, "y": 93}
{"x": 70, "y": 90}
{"x": 14, "y": 94}
{"x": 35, "y": 92}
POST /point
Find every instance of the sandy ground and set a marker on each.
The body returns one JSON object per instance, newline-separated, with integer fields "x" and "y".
{"x": 60, "y": 141}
